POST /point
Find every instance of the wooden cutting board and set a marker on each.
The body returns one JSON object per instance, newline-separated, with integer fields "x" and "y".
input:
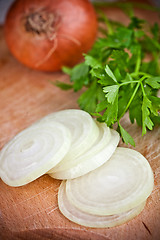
{"x": 31, "y": 211}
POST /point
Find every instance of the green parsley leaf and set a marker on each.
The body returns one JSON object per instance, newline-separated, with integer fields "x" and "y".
{"x": 155, "y": 31}
{"x": 136, "y": 23}
{"x": 154, "y": 82}
{"x": 67, "y": 70}
{"x": 89, "y": 99}
{"x": 126, "y": 136}
{"x": 147, "y": 122}
{"x": 93, "y": 62}
{"x": 112, "y": 92}
{"x": 78, "y": 75}
{"x": 101, "y": 106}
{"x": 63, "y": 86}
{"x": 111, "y": 113}
{"x": 119, "y": 76}
{"x": 110, "y": 73}
{"x": 121, "y": 58}
{"x": 135, "y": 111}
{"x": 155, "y": 107}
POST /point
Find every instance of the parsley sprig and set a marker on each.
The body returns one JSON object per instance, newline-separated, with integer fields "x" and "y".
{"x": 119, "y": 76}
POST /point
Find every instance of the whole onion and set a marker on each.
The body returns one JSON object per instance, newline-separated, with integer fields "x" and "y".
{"x": 46, "y": 35}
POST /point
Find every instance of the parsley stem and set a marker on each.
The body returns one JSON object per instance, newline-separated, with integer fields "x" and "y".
{"x": 121, "y": 84}
{"x": 107, "y": 22}
{"x": 142, "y": 87}
{"x": 133, "y": 95}
{"x": 110, "y": 30}
{"x": 138, "y": 63}
{"x": 136, "y": 74}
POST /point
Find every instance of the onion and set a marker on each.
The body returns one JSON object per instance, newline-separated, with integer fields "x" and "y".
{"x": 83, "y": 129}
{"x": 110, "y": 184}
{"x": 94, "y": 157}
{"x": 76, "y": 215}
{"x": 32, "y": 152}
{"x": 46, "y": 35}
{"x": 119, "y": 185}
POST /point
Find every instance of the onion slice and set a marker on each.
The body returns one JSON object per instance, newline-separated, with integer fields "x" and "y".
{"x": 122, "y": 183}
{"x": 76, "y": 215}
{"x": 98, "y": 154}
{"x": 84, "y": 132}
{"x": 33, "y": 151}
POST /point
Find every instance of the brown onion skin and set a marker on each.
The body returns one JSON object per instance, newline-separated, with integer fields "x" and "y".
{"x": 77, "y": 24}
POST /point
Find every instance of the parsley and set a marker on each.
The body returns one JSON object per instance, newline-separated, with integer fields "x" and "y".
{"x": 119, "y": 77}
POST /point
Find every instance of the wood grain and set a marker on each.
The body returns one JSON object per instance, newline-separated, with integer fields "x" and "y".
{"x": 31, "y": 211}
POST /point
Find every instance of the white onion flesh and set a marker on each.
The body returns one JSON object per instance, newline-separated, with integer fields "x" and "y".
{"x": 120, "y": 184}
{"x": 33, "y": 151}
{"x": 98, "y": 154}
{"x": 106, "y": 185}
{"x": 76, "y": 215}
{"x": 84, "y": 132}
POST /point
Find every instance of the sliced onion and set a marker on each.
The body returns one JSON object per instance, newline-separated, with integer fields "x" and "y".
{"x": 76, "y": 215}
{"x": 84, "y": 132}
{"x": 98, "y": 154}
{"x": 122, "y": 183}
{"x": 33, "y": 151}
